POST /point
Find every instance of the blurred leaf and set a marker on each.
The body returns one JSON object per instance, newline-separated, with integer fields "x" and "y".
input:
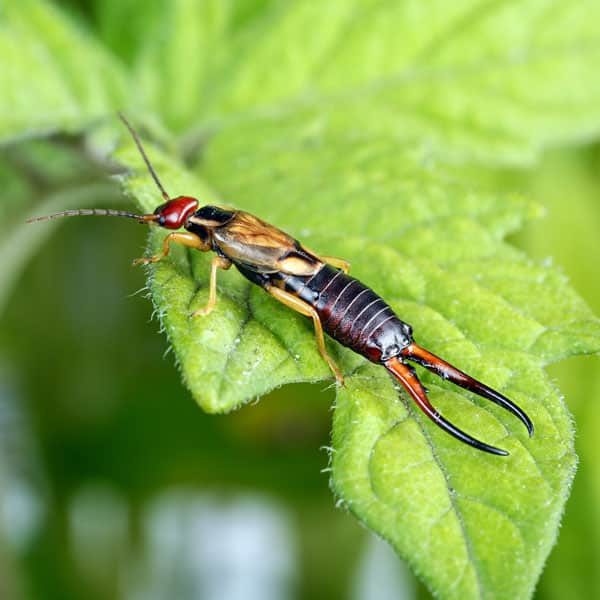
{"x": 24, "y": 240}
{"x": 177, "y": 85}
{"x": 126, "y": 25}
{"x": 492, "y": 81}
{"x": 16, "y": 190}
{"x": 39, "y": 177}
{"x": 53, "y": 76}
{"x": 465, "y": 79}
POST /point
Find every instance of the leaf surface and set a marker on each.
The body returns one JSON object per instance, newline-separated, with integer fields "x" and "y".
{"x": 442, "y": 264}
{"x": 54, "y": 78}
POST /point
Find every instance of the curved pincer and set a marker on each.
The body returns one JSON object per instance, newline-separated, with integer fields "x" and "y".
{"x": 409, "y": 380}
{"x": 445, "y": 370}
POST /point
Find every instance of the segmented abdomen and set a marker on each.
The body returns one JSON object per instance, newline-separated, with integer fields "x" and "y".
{"x": 352, "y": 313}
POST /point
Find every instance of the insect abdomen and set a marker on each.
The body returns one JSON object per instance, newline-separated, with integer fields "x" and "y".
{"x": 352, "y": 313}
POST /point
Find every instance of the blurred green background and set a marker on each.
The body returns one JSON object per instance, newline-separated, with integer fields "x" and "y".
{"x": 113, "y": 484}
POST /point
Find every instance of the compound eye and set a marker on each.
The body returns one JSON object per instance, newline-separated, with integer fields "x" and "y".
{"x": 158, "y": 210}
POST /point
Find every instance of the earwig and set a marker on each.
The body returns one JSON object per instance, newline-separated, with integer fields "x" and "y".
{"x": 314, "y": 285}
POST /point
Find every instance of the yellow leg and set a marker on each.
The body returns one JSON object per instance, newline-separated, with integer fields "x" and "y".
{"x": 185, "y": 239}
{"x": 306, "y": 309}
{"x": 338, "y": 263}
{"x": 218, "y": 262}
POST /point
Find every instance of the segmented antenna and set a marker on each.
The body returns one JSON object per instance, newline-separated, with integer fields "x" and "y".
{"x": 138, "y": 143}
{"x": 99, "y": 212}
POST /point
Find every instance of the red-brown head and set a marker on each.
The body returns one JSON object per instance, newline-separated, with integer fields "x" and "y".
{"x": 174, "y": 213}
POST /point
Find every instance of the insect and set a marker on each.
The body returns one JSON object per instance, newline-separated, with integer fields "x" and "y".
{"x": 314, "y": 285}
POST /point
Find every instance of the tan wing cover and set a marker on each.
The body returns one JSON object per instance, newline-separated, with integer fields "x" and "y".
{"x": 249, "y": 240}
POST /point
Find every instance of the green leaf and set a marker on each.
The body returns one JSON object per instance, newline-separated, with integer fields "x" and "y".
{"x": 53, "y": 76}
{"x": 492, "y": 81}
{"x": 39, "y": 177}
{"x": 433, "y": 248}
{"x": 22, "y": 241}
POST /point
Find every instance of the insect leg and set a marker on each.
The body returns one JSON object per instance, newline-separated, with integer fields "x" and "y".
{"x": 185, "y": 239}
{"x": 447, "y": 371}
{"x": 306, "y": 309}
{"x": 218, "y": 262}
{"x": 409, "y": 380}
{"x": 338, "y": 263}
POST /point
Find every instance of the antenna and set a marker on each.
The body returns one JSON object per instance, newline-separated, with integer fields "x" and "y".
{"x": 98, "y": 212}
{"x": 138, "y": 143}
